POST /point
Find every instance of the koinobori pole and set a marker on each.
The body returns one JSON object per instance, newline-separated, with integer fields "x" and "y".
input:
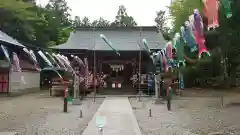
{"x": 139, "y": 62}
{"x": 65, "y": 86}
{"x": 94, "y": 65}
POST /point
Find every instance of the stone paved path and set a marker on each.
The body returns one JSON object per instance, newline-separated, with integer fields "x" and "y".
{"x": 118, "y": 117}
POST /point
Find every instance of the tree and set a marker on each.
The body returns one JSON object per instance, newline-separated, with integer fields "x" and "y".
{"x": 60, "y": 11}
{"x": 86, "y": 22}
{"x": 17, "y": 21}
{"x": 94, "y": 23}
{"x": 167, "y": 33}
{"x": 224, "y": 40}
{"x": 160, "y": 19}
{"x": 77, "y": 22}
{"x": 30, "y": 1}
{"x": 35, "y": 25}
{"x": 101, "y": 23}
{"x": 63, "y": 35}
{"x": 58, "y": 17}
{"x": 123, "y": 19}
{"x": 180, "y": 10}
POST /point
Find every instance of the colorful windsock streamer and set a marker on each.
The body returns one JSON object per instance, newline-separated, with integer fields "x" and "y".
{"x": 61, "y": 64}
{"x": 16, "y": 64}
{"x": 79, "y": 61}
{"x": 211, "y": 12}
{"x": 169, "y": 50}
{"x": 188, "y": 37}
{"x": 66, "y": 62}
{"x": 53, "y": 60}
{"x": 5, "y": 53}
{"x": 198, "y": 33}
{"x": 86, "y": 72}
{"x": 169, "y": 54}
{"x": 146, "y": 45}
{"x": 159, "y": 56}
{"x": 191, "y": 36}
{"x": 159, "y": 60}
{"x": 33, "y": 58}
{"x": 226, "y": 4}
{"x": 198, "y": 23}
{"x": 33, "y": 55}
{"x": 109, "y": 44}
{"x": 179, "y": 44}
{"x": 45, "y": 58}
{"x": 164, "y": 61}
{"x": 82, "y": 65}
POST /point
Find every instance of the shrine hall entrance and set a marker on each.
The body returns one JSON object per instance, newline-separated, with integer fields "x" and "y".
{"x": 118, "y": 79}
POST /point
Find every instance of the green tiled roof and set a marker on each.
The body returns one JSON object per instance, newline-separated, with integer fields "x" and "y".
{"x": 123, "y": 39}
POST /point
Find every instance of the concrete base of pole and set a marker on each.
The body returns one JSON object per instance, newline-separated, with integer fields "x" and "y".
{"x": 76, "y": 101}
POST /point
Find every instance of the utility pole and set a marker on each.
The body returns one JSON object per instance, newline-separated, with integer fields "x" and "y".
{"x": 94, "y": 65}
{"x": 139, "y": 63}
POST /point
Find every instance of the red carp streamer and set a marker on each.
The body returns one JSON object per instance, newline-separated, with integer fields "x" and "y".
{"x": 211, "y": 11}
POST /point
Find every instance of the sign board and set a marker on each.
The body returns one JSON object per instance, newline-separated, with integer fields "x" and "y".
{"x": 119, "y": 85}
{"x": 100, "y": 121}
{"x": 158, "y": 77}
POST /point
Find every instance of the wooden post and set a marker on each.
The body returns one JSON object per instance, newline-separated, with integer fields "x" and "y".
{"x": 157, "y": 79}
{"x": 156, "y": 87}
{"x": 149, "y": 112}
{"x": 222, "y": 102}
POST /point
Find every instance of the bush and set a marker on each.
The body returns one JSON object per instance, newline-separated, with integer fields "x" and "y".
{"x": 200, "y": 70}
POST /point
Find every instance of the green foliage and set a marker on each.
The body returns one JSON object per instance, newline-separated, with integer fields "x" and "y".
{"x": 101, "y": 23}
{"x": 160, "y": 20}
{"x": 50, "y": 25}
{"x": 16, "y": 20}
{"x": 225, "y": 39}
{"x": 35, "y": 25}
{"x": 180, "y": 10}
{"x": 64, "y": 34}
{"x": 86, "y": 22}
{"x": 123, "y": 19}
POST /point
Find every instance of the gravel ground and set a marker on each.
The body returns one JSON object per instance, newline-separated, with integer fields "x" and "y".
{"x": 39, "y": 114}
{"x": 189, "y": 116}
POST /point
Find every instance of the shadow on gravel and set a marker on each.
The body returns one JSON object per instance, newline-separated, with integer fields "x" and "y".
{"x": 233, "y": 104}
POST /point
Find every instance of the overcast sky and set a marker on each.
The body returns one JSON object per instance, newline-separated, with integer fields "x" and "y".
{"x": 143, "y": 11}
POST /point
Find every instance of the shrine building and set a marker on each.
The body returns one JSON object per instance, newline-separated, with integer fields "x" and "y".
{"x": 86, "y": 42}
